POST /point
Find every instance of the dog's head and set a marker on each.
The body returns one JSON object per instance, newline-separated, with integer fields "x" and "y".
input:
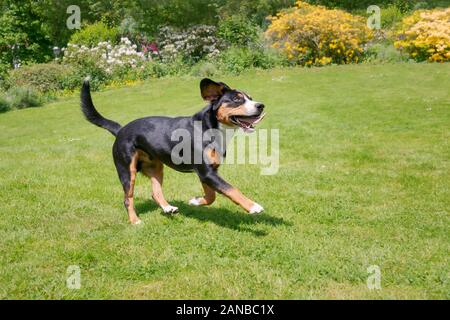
{"x": 232, "y": 107}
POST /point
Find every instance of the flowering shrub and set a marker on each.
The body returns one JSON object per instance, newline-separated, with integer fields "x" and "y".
{"x": 104, "y": 62}
{"x": 193, "y": 43}
{"x": 425, "y": 35}
{"x": 106, "y": 56}
{"x": 315, "y": 35}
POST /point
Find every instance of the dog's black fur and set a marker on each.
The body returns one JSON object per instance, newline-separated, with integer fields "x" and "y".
{"x": 147, "y": 142}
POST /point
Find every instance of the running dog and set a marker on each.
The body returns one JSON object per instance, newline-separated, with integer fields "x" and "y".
{"x": 145, "y": 145}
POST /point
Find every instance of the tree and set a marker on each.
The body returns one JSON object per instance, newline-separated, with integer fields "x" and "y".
{"x": 23, "y": 38}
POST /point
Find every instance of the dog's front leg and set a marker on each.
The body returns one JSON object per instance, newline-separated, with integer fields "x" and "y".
{"x": 207, "y": 199}
{"x": 211, "y": 178}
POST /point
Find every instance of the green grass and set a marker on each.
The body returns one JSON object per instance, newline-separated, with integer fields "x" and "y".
{"x": 364, "y": 180}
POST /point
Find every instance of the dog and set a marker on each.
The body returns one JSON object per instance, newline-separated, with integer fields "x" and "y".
{"x": 145, "y": 145}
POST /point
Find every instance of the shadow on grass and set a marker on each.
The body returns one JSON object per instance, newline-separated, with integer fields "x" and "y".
{"x": 234, "y": 220}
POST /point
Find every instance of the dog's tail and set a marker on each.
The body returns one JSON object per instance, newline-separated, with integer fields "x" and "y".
{"x": 92, "y": 114}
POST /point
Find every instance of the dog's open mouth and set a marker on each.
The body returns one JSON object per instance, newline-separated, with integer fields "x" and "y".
{"x": 247, "y": 123}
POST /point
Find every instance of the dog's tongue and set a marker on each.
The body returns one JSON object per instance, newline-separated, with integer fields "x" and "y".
{"x": 248, "y": 123}
{"x": 248, "y": 129}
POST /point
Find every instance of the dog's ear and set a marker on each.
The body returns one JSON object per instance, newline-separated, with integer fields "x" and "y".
{"x": 212, "y": 90}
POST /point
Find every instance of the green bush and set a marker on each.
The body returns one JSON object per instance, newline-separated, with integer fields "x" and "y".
{"x": 74, "y": 80}
{"x": 92, "y": 34}
{"x": 390, "y": 16}
{"x": 238, "y": 31}
{"x": 159, "y": 69}
{"x": 4, "y": 104}
{"x": 24, "y": 97}
{"x": 97, "y": 75}
{"x": 236, "y": 60}
{"x": 384, "y": 53}
{"x": 404, "y": 5}
{"x": 153, "y": 69}
{"x": 44, "y": 78}
{"x": 204, "y": 69}
{"x": 23, "y": 36}
{"x": 4, "y": 68}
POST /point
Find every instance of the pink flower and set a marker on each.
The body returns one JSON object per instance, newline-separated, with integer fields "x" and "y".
{"x": 153, "y": 47}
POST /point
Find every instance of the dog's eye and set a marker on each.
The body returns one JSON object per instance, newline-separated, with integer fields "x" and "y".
{"x": 237, "y": 99}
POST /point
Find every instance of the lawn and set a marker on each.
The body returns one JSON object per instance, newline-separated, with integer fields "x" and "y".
{"x": 364, "y": 180}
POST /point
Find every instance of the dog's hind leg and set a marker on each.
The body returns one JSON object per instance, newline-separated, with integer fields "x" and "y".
{"x": 127, "y": 170}
{"x": 155, "y": 172}
{"x": 207, "y": 199}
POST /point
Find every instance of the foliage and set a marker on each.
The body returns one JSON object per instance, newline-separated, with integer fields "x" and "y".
{"x": 24, "y": 97}
{"x": 22, "y": 39}
{"x": 201, "y": 37}
{"x": 384, "y": 53}
{"x": 425, "y": 35}
{"x": 129, "y": 28}
{"x": 92, "y": 34}
{"x": 404, "y": 5}
{"x": 41, "y": 77}
{"x": 254, "y": 10}
{"x": 4, "y": 104}
{"x": 314, "y": 35}
{"x": 37, "y": 26}
{"x": 104, "y": 61}
{"x": 238, "y": 59}
{"x": 158, "y": 69}
{"x": 391, "y": 16}
{"x": 204, "y": 69}
{"x": 238, "y": 31}
{"x": 192, "y": 44}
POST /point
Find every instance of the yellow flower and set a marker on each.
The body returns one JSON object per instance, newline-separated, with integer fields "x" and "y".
{"x": 426, "y": 35}
{"x": 296, "y": 32}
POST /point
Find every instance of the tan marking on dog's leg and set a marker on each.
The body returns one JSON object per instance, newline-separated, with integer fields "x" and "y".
{"x": 157, "y": 177}
{"x": 207, "y": 199}
{"x": 237, "y": 197}
{"x": 213, "y": 158}
{"x": 129, "y": 196}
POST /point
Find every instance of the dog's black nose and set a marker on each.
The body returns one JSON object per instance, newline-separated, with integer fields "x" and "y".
{"x": 259, "y": 106}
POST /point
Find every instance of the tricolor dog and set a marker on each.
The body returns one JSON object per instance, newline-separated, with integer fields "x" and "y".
{"x": 145, "y": 145}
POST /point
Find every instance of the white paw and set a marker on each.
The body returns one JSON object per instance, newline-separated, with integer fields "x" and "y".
{"x": 170, "y": 209}
{"x": 194, "y": 202}
{"x": 137, "y": 222}
{"x": 256, "y": 209}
